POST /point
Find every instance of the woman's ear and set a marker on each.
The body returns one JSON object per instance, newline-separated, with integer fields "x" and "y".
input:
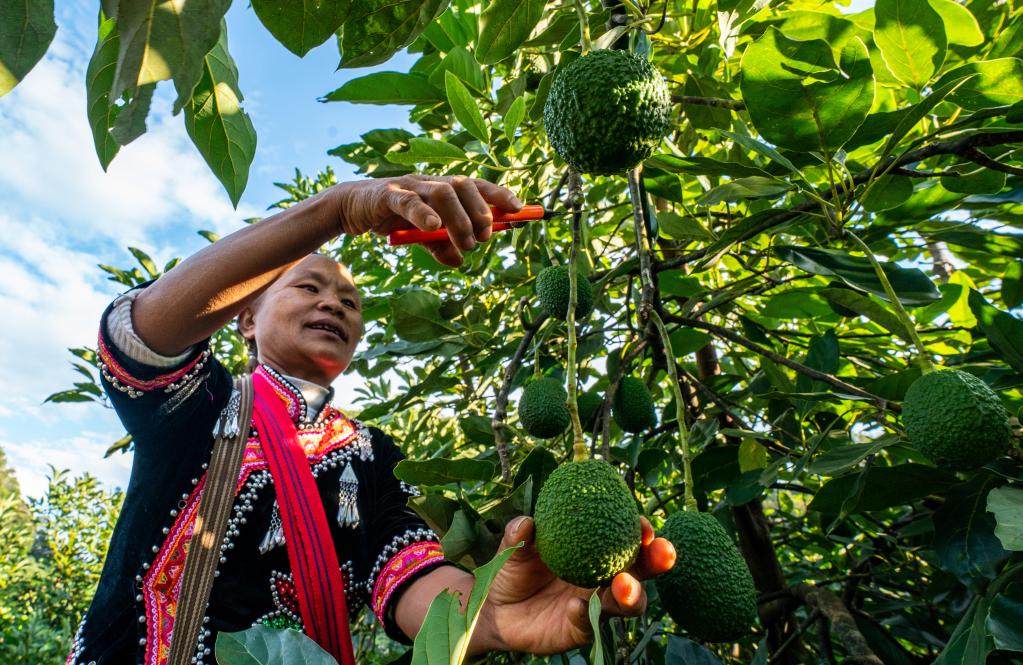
{"x": 246, "y": 323}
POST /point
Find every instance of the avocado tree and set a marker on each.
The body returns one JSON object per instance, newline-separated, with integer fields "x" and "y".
{"x": 832, "y": 213}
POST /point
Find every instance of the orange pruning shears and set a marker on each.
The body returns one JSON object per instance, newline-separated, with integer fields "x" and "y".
{"x": 502, "y": 222}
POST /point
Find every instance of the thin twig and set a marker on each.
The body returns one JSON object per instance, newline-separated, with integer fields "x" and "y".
{"x": 497, "y": 423}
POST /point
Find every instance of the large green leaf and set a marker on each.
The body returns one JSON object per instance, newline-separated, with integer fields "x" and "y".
{"x": 752, "y": 187}
{"x": 416, "y": 317}
{"x": 301, "y": 25}
{"x": 26, "y": 30}
{"x": 444, "y": 471}
{"x": 99, "y": 78}
{"x": 386, "y": 88}
{"x": 970, "y": 642}
{"x": 460, "y": 62}
{"x": 262, "y": 645}
{"x": 799, "y": 98}
{"x": 422, "y": 149}
{"x": 686, "y": 652}
{"x": 1003, "y": 330}
{"x": 911, "y": 36}
{"x": 842, "y": 458}
{"x": 162, "y": 40}
{"x": 993, "y": 83}
{"x": 697, "y": 165}
{"x": 216, "y": 123}
{"x": 377, "y": 29}
{"x": 444, "y": 636}
{"x": 466, "y": 109}
{"x": 1007, "y": 505}
{"x": 1005, "y": 623}
{"x": 864, "y": 306}
{"x": 504, "y": 25}
{"x": 881, "y": 487}
{"x": 964, "y": 532}
{"x": 911, "y": 285}
{"x": 961, "y": 25}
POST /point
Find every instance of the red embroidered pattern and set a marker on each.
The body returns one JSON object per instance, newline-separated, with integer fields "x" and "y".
{"x": 162, "y": 584}
{"x": 123, "y": 376}
{"x": 399, "y": 568}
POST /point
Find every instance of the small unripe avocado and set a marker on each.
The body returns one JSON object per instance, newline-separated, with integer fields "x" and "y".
{"x": 552, "y": 290}
{"x": 709, "y": 592}
{"x": 633, "y": 406}
{"x": 607, "y": 111}
{"x": 542, "y": 408}
{"x": 587, "y": 523}
{"x": 955, "y": 419}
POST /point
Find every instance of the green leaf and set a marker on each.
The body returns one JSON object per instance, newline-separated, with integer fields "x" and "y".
{"x": 504, "y": 25}
{"x": 386, "y": 88}
{"x": 798, "y": 98}
{"x": 677, "y": 283}
{"x": 961, "y": 26}
{"x": 688, "y": 340}
{"x": 262, "y": 645}
{"x": 1012, "y": 285}
{"x": 540, "y": 98}
{"x": 752, "y": 187}
{"x": 466, "y": 109}
{"x": 130, "y": 122}
{"x": 914, "y": 114}
{"x": 865, "y": 306}
{"x": 444, "y": 471}
{"x": 911, "y": 285}
{"x": 216, "y": 123}
{"x": 678, "y": 227}
{"x": 377, "y": 29}
{"x": 437, "y": 510}
{"x": 460, "y": 62}
{"x": 304, "y": 24}
{"x": 145, "y": 261}
{"x": 970, "y": 642}
{"x": 26, "y": 30}
{"x": 99, "y": 78}
{"x": 514, "y": 117}
{"x": 444, "y": 636}
{"x": 760, "y": 148}
{"x": 422, "y": 149}
{"x": 695, "y": 165}
{"x": 887, "y": 192}
{"x": 686, "y": 652}
{"x": 416, "y": 317}
{"x": 971, "y": 180}
{"x": 752, "y": 455}
{"x": 1005, "y": 623}
{"x": 883, "y": 487}
{"x": 842, "y": 458}
{"x": 911, "y": 36}
{"x": 161, "y": 40}
{"x": 1003, "y": 331}
{"x": 1007, "y": 505}
{"x": 539, "y": 464}
{"x": 964, "y": 532}
{"x": 994, "y": 83}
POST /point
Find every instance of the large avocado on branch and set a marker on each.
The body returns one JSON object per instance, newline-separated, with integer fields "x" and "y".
{"x": 607, "y": 112}
{"x": 552, "y": 288}
{"x": 955, "y": 419}
{"x": 587, "y": 523}
{"x": 543, "y": 411}
{"x": 709, "y": 592}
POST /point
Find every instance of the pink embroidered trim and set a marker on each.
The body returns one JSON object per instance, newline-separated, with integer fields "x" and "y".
{"x": 399, "y": 568}
{"x": 123, "y": 376}
{"x": 162, "y": 584}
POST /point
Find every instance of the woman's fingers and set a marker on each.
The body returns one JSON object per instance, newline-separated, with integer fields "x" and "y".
{"x": 625, "y": 597}
{"x": 409, "y": 205}
{"x": 474, "y": 204}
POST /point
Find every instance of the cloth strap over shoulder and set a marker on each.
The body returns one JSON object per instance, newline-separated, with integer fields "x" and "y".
{"x": 218, "y": 491}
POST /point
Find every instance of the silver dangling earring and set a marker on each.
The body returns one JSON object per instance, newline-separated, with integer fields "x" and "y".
{"x": 348, "y": 491}
{"x": 275, "y": 534}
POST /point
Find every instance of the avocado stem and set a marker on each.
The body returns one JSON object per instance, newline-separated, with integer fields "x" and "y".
{"x": 584, "y": 27}
{"x": 923, "y": 355}
{"x": 648, "y": 312}
{"x": 579, "y": 450}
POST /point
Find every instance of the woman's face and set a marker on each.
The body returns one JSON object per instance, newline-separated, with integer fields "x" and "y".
{"x": 307, "y": 323}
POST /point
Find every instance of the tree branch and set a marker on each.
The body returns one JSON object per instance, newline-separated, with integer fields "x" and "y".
{"x": 716, "y": 102}
{"x": 818, "y": 375}
{"x": 497, "y": 423}
{"x": 841, "y": 623}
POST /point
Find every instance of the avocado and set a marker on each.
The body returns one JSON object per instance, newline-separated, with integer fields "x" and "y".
{"x": 552, "y": 288}
{"x": 542, "y": 408}
{"x": 587, "y": 523}
{"x": 709, "y": 591}
{"x": 589, "y": 409}
{"x": 955, "y": 419}
{"x": 633, "y": 406}
{"x": 607, "y": 111}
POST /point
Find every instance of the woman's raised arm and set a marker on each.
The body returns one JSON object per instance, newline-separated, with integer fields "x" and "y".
{"x": 204, "y": 292}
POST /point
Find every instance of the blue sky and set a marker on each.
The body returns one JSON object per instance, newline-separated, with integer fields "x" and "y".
{"x": 62, "y": 215}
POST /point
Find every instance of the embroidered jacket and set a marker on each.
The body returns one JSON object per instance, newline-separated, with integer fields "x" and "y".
{"x": 381, "y": 544}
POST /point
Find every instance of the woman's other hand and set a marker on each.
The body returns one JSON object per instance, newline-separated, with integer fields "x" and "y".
{"x": 457, "y": 203}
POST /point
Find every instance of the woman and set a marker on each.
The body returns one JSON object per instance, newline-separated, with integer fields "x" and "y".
{"x": 301, "y": 312}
